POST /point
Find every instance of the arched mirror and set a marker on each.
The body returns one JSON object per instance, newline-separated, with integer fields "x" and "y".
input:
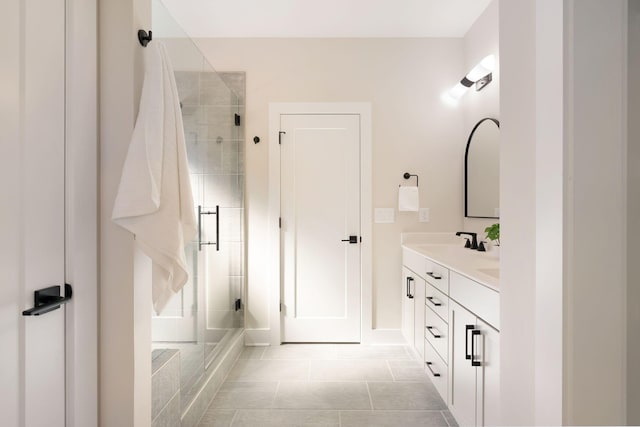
{"x": 482, "y": 171}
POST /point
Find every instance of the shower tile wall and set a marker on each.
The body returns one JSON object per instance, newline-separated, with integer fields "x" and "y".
{"x": 215, "y": 150}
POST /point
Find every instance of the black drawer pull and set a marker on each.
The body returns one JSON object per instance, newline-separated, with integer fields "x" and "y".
{"x": 430, "y": 329}
{"x": 409, "y": 280}
{"x": 435, "y": 374}
{"x": 473, "y": 351}
{"x": 434, "y": 301}
{"x": 436, "y": 276}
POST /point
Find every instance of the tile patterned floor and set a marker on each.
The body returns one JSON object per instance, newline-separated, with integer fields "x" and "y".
{"x": 339, "y": 385}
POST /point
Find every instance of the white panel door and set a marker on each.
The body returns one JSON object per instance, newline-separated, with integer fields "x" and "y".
{"x": 320, "y": 208}
{"x": 32, "y": 226}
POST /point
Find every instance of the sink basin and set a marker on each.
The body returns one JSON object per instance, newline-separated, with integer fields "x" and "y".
{"x": 493, "y": 272}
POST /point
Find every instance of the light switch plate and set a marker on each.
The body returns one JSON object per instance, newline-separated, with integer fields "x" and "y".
{"x": 384, "y": 215}
{"x": 423, "y": 215}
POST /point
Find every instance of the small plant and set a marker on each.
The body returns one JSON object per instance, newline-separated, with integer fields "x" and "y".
{"x": 493, "y": 233}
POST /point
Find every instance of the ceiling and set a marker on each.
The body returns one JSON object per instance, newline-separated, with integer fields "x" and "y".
{"x": 325, "y": 18}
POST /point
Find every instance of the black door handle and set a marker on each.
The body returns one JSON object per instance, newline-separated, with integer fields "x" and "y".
{"x": 434, "y": 275}
{"x": 430, "y": 329}
{"x": 352, "y": 240}
{"x": 48, "y": 299}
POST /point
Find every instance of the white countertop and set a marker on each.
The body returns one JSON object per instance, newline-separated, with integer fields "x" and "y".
{"x": 482, "y": 267}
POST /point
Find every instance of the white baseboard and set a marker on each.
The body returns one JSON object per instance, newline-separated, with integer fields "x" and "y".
{"x": 262, "y": 337}
{"x": 257, "y": 337}
{"x": 385, "y": 337}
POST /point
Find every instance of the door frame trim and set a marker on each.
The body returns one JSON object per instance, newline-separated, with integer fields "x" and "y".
{"x": 363, "y": 109}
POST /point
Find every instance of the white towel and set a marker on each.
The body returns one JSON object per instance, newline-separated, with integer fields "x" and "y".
{"x": 154, "y": 199}
{"x": 408, "y": 200}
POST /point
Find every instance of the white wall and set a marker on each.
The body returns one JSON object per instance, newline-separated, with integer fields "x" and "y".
{"x": 481, "y": 40}
{"x": 517, "y": 198}
{"x": 596, "y": 195}
{"x": 125, "y": 308}
{"x": 563, "y": 176}
{"x": 413, "y": 131}
{"x": 633, "y": 213}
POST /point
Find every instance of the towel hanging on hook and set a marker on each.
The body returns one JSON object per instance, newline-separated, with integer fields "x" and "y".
{"x": 144, "y": 38}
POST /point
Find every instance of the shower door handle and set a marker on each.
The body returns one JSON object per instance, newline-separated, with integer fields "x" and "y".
{"x": 217, "y": 214}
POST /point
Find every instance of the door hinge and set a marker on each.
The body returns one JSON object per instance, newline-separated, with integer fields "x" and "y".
{"x": 237, "y": 119}
{"x": 280, "y": 136}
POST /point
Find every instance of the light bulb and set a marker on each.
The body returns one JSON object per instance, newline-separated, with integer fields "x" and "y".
{"x": 485, "y": 67}
{"x": 457, "y": 91}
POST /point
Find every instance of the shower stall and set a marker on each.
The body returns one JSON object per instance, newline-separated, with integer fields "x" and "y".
{"x": 206, "y": 316}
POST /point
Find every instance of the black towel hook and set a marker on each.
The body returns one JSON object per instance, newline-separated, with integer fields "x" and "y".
{"x": 144, "y": 38}
{"x": 407, "y": 175}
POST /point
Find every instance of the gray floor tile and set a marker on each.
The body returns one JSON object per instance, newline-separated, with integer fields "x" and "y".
{"x": 392, "y": 419}
{"x": 350, "y": 370}
{"x": 270, "y": 370}
{"x": 252, "y": 352}
{"x": 408, "y": 396}
{"x": 407, "y": 370}
{"x": 245, "y": 395}
{"x": 322, "y": 395}
{"x": 301, "y": 351}
{"x": 286, "y": 418}
{"x": 357, "y": 351}
{"x": 217, "y": 418}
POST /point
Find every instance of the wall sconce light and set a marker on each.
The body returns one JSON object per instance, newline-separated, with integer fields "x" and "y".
{"x": 480, "y": 75}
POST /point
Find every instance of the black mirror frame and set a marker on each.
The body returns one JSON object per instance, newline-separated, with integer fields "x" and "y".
{"x": 466, "y": 158}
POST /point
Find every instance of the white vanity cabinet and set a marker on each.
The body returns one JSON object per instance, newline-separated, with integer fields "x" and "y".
{"x": 474, "y": 359}
{"x": 474, "y": 369}
{"x": 453, "y": 322}
{"x": 413, "y": 297}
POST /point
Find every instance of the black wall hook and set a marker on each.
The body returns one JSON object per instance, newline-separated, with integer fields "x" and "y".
{"x": 144, "y": 38}
{"x": 407, "y": 175}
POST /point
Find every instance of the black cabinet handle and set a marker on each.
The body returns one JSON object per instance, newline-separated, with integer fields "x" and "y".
{"x": 406, "y": 293}
{"x": 409, "y": 280}
{"x": 430, "y": 329}
{"x": 434, "y": 275}
{"x": 434, "y": 301}
{"x": 435, "y": 374}
{"x": 473, "y": 351}
{"x": 466, "y": 341}
{"x": 48, "y": 299}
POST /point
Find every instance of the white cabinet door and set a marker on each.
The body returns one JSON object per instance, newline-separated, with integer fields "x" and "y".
{"x": 418, "y": 317}
{"x": 488, "y": 375}
{"x": 462, "y": 375}
{"x": 408, "y": 304}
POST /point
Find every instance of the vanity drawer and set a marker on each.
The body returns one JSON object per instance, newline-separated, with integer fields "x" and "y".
{"x": 438, "y": 302}
{"x": 436, "y": 370}
{"x": 436, "y": 332}
{"x": 482, "y": 301}
{"x": 437, "y": 275}
{"x": 413, "y": 261}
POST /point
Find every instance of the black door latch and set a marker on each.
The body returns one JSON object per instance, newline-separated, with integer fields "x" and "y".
{"x": 352, "y": 240}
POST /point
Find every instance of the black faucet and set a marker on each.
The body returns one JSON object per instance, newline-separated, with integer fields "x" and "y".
{"x": 474, "y": 238}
